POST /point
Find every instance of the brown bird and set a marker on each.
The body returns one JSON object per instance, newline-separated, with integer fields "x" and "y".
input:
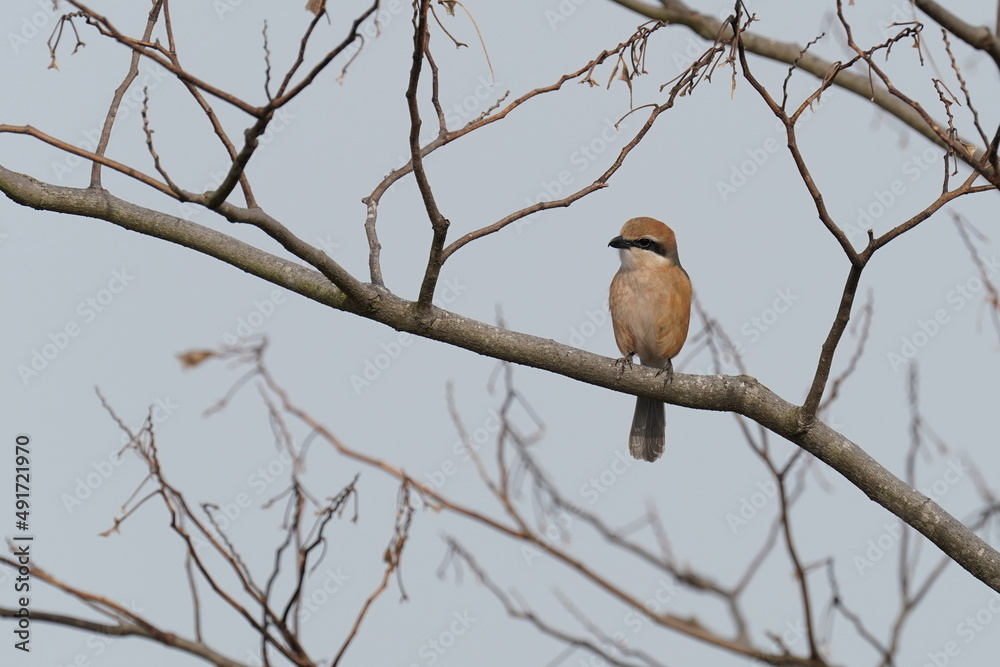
{"x": 650, "y": 305}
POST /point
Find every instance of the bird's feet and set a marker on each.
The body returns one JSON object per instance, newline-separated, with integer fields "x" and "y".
{"x": 668, "y": 370}
{"x": 623, "y": 363}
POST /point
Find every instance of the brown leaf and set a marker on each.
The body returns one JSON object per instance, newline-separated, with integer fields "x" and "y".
{"x": 192, "y": 358}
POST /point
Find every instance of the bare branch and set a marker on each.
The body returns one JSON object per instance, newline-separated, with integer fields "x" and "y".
{"x": 133, "y": 72}
{"x": 439, "y": 225}
{"x": 488, "y": 117}
{"x": 129, "y": 623}
{"x": 392, "y": 556}
{"x": 684, "y": 85}
{"x": 155, "y": 53}
{"x": 742, "y": 395}
{"x": 865, "y": 325}
{"x": 709, "y": 27}
{"x": 979, "y": 160}
{"x": 977, "y": 37}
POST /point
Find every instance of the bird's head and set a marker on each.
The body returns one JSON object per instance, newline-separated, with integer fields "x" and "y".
{"x": 646, "y": 243}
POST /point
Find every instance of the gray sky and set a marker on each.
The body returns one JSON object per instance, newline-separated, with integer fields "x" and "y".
{"x": 760, "y": 261}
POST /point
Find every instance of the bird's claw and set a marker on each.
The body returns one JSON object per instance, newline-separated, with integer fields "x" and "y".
{"x": 668, "y": 369}
{"x": 623, "y": 363}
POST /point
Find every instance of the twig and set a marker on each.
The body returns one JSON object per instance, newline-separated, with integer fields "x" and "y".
{"x": 439, "y": 224}
{"x": 116, "y": 100}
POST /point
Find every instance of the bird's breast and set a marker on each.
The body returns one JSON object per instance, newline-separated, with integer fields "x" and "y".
{"x": 651, "y": 310}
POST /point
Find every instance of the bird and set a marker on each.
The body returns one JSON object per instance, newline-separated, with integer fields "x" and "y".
{"x": 650, "y": 304}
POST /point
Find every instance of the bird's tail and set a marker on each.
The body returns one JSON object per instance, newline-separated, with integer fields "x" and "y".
{"x": 648, "y": 430}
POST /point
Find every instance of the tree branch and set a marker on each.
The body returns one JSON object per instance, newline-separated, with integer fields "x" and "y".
{"x": 126, "y": 629}
{"x": 978, "y": 37}
{"x": 116, "y": 100}
{"x": 741, "y": 394}
{"x": 152, "y": 52}
{"x": 708, "y": 27}
{"x": 439, "y": 225}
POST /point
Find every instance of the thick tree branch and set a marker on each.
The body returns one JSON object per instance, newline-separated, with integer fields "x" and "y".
{"x": 858, "y": 260}
{"x": 978, "y": 37}
{"x": 740, "y": 394}
{"x": 100, "y": 204}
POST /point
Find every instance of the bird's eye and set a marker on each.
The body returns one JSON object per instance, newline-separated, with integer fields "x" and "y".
{"x": 644, "y": 243}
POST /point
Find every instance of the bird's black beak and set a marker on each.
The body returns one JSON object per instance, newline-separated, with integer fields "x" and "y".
{"x": 618, "y": 242}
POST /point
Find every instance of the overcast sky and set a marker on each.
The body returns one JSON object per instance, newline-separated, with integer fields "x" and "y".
{"x": 87, "y": 305}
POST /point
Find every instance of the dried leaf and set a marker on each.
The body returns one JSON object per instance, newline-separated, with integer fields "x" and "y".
{"x": 192, "y": 358}
{"x": 614, "y": 73}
